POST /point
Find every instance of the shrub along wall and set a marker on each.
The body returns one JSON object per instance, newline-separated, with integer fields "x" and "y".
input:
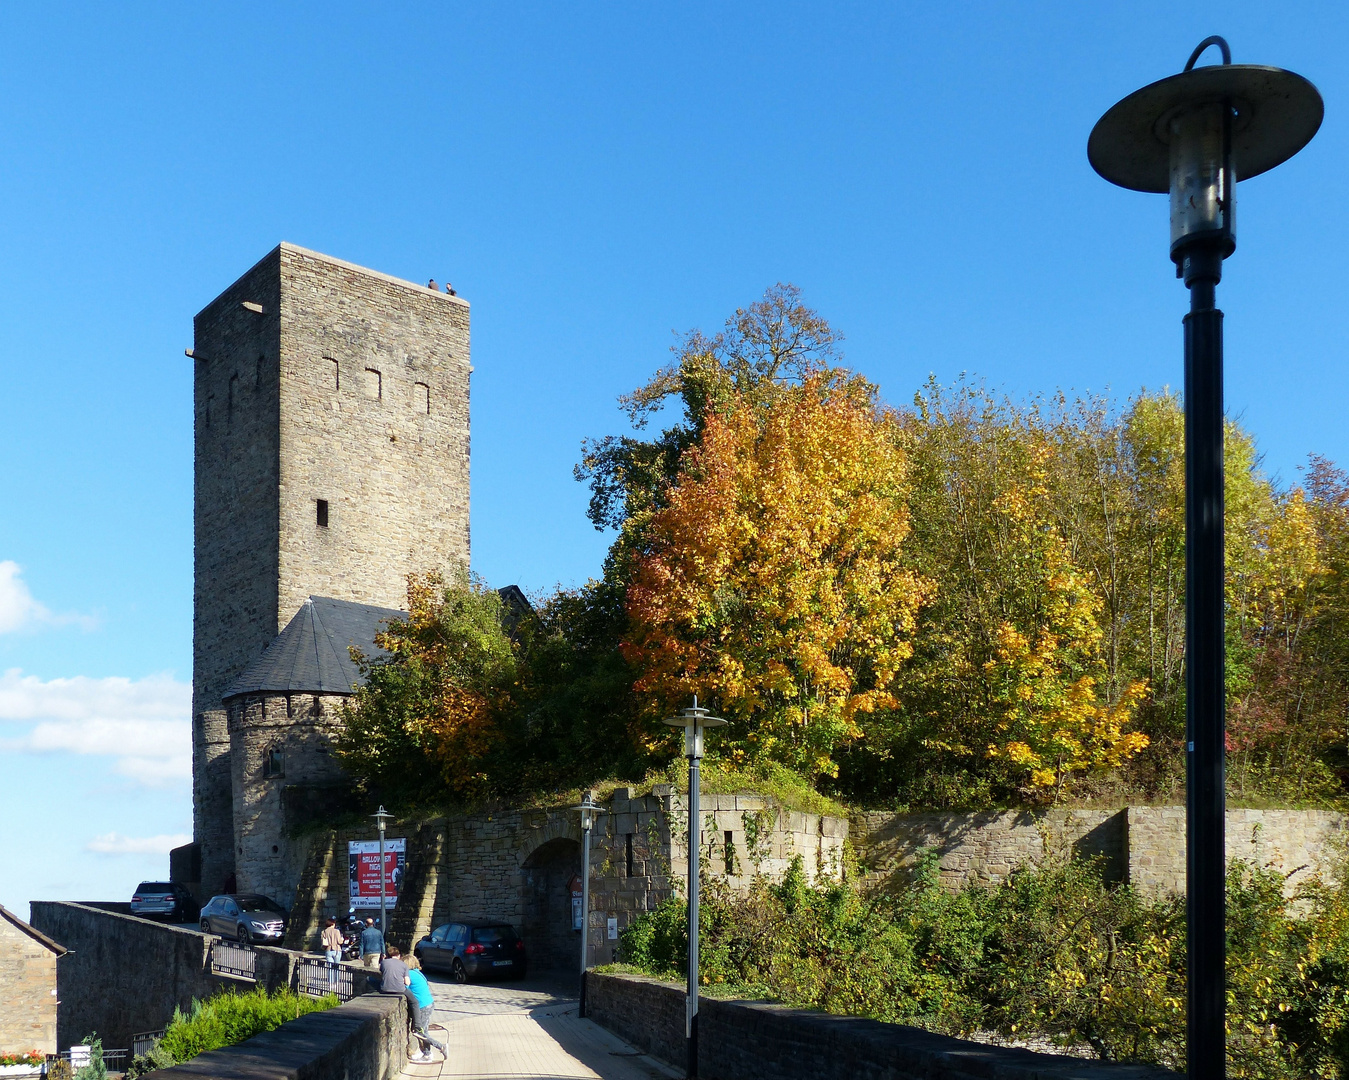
{"x": 365, "y": 1039}
{"x": 744, "y": 1040}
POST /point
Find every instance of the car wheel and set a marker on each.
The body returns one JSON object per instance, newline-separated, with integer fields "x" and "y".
{"x": 458, "y": 973}
{"x": 205, "y": 926}
{"x": 241, "y": 932}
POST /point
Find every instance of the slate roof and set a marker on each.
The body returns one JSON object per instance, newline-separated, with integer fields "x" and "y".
{"x": 312, "y": 654}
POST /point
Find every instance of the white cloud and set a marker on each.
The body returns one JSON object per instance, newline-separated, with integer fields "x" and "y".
{"x": 19, "y": 610}
{"x": 143, "y": 724}
{"x": 114, "y": 843}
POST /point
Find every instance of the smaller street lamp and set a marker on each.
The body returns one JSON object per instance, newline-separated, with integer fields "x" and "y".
{"x": 694, "y": 721}
{"x": 590, "y": 811}
{"x": 382, "y": 818}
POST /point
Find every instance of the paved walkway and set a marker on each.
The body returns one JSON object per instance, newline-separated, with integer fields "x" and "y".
{"x": 526, "y": 1031}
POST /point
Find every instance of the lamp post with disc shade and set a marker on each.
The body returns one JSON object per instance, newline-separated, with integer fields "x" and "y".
{"x": 1191, "y": 136}
{"x": 694, "y": 721}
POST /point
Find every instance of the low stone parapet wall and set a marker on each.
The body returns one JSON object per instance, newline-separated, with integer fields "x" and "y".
{"x": 365, "y": 1039}
{"x": 744, "y": 1040}
{"x": 125, "y": 975}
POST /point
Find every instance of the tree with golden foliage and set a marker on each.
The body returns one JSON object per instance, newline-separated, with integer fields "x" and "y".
{"x": 431, "y": 708}
{"x": 772, "y": 581}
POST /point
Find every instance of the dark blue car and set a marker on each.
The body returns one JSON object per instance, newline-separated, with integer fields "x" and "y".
{"x": 473, "y": 950}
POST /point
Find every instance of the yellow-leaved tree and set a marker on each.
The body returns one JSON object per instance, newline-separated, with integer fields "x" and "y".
{"x": 1050, "y": 720}
{"x": 773, "y": 580}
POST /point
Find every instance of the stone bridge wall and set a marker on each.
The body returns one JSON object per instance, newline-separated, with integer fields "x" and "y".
{"x": 748, "y": 1040}
{"x": 365, "y": 1039}
{"x": 124, "y": 975}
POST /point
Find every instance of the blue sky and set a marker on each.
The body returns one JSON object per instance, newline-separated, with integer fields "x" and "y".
{"x": 592, "y": 178}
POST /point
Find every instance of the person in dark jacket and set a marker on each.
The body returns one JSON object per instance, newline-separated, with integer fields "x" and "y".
{"x": 372, "y": 944}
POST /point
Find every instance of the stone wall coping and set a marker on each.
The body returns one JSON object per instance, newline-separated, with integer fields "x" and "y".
{"x": 333, "y": 1043}
{"x": 893, "y": 1051}
{"x": 319, "y": 256}
{"x": 34, "y": 933}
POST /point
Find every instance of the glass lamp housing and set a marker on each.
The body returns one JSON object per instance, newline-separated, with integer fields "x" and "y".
{"x": 1203, "y": 187}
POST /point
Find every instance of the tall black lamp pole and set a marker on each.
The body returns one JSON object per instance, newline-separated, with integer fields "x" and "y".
{"x": 1192, "y": 135}
{"x": 693, "y": 721}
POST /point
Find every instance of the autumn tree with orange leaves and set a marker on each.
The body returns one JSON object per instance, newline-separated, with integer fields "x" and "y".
{"x": 773, "y": 580}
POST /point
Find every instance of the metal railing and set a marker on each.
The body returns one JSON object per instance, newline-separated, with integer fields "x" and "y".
{"x": 143, "y": 1043}
{"x": 234, "y": 960}
{"x": 317, "y": 977}
{"x": 114, "y": 1060}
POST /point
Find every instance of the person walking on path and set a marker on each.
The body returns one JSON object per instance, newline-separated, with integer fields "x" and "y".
{"x": 332, "y": 941}
{"x": 421, "y": 1004}
{"x": 372, "y": 944}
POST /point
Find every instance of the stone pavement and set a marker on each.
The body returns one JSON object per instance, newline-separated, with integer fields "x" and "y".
{"x": 526, "y": 1031}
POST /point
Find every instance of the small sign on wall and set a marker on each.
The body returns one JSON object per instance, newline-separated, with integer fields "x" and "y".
{"x": 577, "y": 919}
{"x": 613, "y": 929}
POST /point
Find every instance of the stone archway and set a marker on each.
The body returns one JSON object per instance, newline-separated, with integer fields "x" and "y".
{"x": 551, "y": 942}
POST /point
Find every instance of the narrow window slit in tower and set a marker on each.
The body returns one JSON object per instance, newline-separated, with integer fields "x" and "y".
{"x": 629, "y": 839}
{"x": 337, "y": 373}
{"x": 374, "y": 384}
{"x": 729, "y": 852}
{"x": 421, "y": 398}
{"x": 257, "y": 374}
{"x": 323, "y": 513}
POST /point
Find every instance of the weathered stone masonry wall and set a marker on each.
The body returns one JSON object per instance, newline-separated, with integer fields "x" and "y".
{"x": 365, "y": 1039}
{"x": 348, "y": 386}
{"x": 27, "y": 992}
{"x": 743, "y": 1040}
{"x": 514, "y": 865}
{"x": 125, "y": 975}
{"x": 304, "y": 726}
{"x": 1141, "y": 845}
{"x": 236, "y": 427}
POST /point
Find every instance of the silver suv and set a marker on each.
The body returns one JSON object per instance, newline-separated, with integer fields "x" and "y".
{"x": 163, "y": 900}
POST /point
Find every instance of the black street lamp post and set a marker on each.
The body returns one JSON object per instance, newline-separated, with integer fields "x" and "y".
{"x": 382, "y": 817}
{"x": 1193, "y": 135}
{"x": 693, "y": 721}
{"x": 590, "y": 811}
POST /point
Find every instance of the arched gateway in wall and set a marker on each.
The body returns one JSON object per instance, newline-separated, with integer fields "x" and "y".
{"x": 551, "y": 862}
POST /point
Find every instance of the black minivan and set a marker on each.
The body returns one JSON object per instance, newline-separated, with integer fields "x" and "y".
{"x": 473, "y": 950}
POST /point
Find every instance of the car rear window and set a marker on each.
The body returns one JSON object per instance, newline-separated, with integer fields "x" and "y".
{"x": 490, "y": 935}
{"x": 154, "y": 886}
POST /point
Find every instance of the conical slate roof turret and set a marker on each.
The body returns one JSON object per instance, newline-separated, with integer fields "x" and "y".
{"x": 312, "y": 655}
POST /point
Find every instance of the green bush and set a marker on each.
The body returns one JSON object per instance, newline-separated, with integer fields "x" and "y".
{"x": 1053, "y": 951}
{"x": 95, "y": 1070}
{"x": 230, "y": 1018}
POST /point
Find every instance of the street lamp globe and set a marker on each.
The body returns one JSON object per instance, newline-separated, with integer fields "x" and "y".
{"x": 1192, "y": 135}
{"x": 695, "y": 721}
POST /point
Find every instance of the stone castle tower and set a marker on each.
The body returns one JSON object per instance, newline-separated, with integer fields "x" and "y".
{"x": 332, "y": 460}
